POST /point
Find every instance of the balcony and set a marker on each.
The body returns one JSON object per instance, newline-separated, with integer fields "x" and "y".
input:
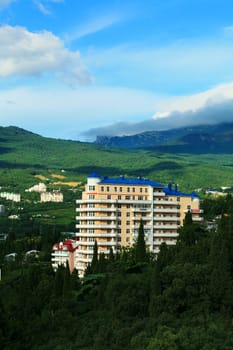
{"x": 93, "y": 226}
{"x": 166, "y": 202}
{"x": 166, "y": 210}
{"x": 168, "y": 242}
{"x": 158, "y": 194}
{"x": 161, "y": 235}
{"x": 111, "y": 217}
{"x": 194, "y": 211}
{"x": 94, "y": 235}
{"x": 96, "y": 209}
{"x": 165, "y": 227}
{"x": 165, "y": 218}
{"x": 104, "y": 243}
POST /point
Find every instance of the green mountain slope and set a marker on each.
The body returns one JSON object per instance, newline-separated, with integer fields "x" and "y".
{"x": 26, "y": 157}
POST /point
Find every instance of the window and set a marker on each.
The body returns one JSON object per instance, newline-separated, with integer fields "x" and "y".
{"x": 140, "y": 198}
{"x": 118, "y": 205}
{"x": 118, "y": 213}
{"x": 90, "y": 222}
{"x": 127, "y": 222}
{"x": 91, "y": 196}
{"x": 120, "y": 189}
{"x": 107, "y": 188}
{"x": 128, "y": 206}
{"x": 91, "y": 188}
{"x": 127, "y": 230}
{"x": 119, "y": 197}
{"x": 119, "y": 222}
{"x": 128, "y": 240}
{"x": 119, "y": 239}
{"x": 108, "y": 196}
{"x": 115, "y": 189}
{"x": 90, "y": 230}
{"x": 91, "y": 205}
{"x": 127, "y": 197}
{"x": 90, "y": 213}
{"x": 128, "y": 213}
{"x": 145, "y": 189}
{"x": 91, "y": 239}
{"x": 133, "y": 189}
{"x": 128, "y": 189}
{"x": 102, "y": 188}
{"x": 119, "y": 231}
{"x": 140, "y": 189}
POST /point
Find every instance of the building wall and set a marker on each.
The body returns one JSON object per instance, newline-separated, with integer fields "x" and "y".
{"x": 51, "y": 197}
{"x": 110, "y": 213}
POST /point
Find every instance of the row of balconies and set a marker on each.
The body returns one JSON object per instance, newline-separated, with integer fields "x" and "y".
{"x": 137, "y": 202}
{"x": 135, "y": 218}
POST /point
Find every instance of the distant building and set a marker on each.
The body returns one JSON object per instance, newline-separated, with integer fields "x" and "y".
{"x": 55, "y": 196}
{"x": 10, "y": 257}
{"x": 41, "y": 187}
{"x": 64, "y": 252}
{"x": 15, "y": 197}
{"x": 32, "y": 253}
{"x": 111, "y": 209}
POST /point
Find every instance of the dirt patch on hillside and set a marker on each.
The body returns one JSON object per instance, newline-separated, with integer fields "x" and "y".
{"x": 70, "y": 183}
{"x": 41, "y": 177}
{"x": 57, "y": 176}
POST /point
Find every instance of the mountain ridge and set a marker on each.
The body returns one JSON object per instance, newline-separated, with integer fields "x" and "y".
{"x": 216, "y": 134}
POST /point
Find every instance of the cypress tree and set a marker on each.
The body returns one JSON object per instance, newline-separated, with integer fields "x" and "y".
{"x": 94, "y": 261}
{"x": 140, "y": 247}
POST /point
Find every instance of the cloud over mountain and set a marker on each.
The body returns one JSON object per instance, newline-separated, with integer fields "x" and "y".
{"x": 210, "y": 113}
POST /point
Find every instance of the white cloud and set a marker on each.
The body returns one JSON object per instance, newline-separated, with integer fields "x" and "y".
{"x": 93, "y": 26}
{"x": 25, "y": 53}
{"x": 192, "y": 103}
{"x": 41, "y": 7}
{"x": 210, "y": 107}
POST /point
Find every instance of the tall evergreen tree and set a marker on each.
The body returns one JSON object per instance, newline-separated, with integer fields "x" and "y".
{"x": 140, "y": 247}
{"x": 94, "y": 261}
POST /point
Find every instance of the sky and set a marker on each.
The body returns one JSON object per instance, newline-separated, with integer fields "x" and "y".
{"x": 75, "y": 69}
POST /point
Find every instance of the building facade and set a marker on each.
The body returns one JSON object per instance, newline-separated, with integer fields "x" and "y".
{"x": 111, "y": 209}
{"x": 55, "y": 196}
{"x": 64, "y": 252}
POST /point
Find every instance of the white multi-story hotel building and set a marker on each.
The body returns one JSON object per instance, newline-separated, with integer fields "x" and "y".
{"x": 111, "y": 209}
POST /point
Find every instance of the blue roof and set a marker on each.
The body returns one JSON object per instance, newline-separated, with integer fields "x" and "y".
{"x": 173, "y": 192}
{"x": 130, "y": 181}
{"x": 94, "y": 175}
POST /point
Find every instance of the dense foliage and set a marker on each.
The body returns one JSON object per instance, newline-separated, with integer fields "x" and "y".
{"x": 183, "y": 300}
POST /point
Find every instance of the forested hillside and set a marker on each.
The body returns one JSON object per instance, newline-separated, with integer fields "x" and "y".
{"x": 183, "y": 300}
{"x": 26, "y": 158}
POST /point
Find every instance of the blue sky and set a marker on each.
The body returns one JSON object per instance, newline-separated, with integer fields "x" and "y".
{"x": 74, "y": 69}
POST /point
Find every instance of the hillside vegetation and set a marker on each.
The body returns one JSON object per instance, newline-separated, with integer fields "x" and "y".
{"x": 26, "y": 157}
{"x": 181, "y": 301}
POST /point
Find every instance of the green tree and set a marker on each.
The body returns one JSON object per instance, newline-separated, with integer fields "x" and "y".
{"x": 140, "y": 246}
